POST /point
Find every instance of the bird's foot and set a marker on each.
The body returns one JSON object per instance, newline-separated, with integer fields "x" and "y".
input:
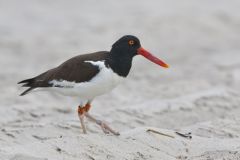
{"x": 83, "y": 111}
{"x": 106, "y": 129}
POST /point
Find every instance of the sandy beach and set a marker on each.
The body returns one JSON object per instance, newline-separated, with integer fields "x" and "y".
{"x": 199, "y": 93}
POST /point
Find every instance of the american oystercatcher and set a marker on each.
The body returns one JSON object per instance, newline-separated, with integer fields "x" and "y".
{"x": 90, "y": 75}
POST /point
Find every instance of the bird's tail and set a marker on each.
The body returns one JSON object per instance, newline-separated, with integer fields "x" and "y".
{"x": 27, "y": 83}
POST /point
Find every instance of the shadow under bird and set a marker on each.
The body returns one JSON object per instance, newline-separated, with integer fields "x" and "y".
{"x": 90, "y": 75}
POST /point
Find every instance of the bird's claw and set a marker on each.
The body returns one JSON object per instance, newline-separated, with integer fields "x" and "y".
{"x": 106, "y": 129}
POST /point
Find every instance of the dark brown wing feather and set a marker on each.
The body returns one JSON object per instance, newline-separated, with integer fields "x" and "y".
{"x": 74, "y": 69}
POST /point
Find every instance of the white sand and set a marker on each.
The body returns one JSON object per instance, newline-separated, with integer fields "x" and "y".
{"x": 199, "y": 93}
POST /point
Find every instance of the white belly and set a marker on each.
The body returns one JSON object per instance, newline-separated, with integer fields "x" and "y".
{"x": 103, "y": 82}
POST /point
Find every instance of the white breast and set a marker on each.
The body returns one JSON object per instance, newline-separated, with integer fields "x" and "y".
{"x": 103, "y": 82}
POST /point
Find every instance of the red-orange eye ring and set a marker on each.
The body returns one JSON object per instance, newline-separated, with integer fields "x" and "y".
{"x": 131, "y": 42}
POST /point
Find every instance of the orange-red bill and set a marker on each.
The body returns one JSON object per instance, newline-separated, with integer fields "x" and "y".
{"x": 151, "y": 57}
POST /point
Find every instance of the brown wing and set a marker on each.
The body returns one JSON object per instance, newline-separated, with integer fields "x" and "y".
{"x": 74, "y": 69}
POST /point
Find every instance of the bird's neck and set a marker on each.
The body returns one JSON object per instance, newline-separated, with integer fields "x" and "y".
{"x": 119, "y": 63}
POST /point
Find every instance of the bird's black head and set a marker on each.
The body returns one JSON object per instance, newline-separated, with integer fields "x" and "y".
{"x": 122, "y": 52}
{"x": 126, "y": 46}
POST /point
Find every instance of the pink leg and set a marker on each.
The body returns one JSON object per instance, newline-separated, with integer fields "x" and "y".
{"x": 106, "y": 129}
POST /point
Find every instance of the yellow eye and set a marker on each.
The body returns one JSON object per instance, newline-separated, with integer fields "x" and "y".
{"x": 131, "y": 42}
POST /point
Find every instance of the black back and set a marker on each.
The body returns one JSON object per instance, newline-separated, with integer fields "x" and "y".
{"x": 72, "y": 70}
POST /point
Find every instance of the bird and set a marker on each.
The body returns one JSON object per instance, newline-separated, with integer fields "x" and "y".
{"x": 87, "y": 76}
